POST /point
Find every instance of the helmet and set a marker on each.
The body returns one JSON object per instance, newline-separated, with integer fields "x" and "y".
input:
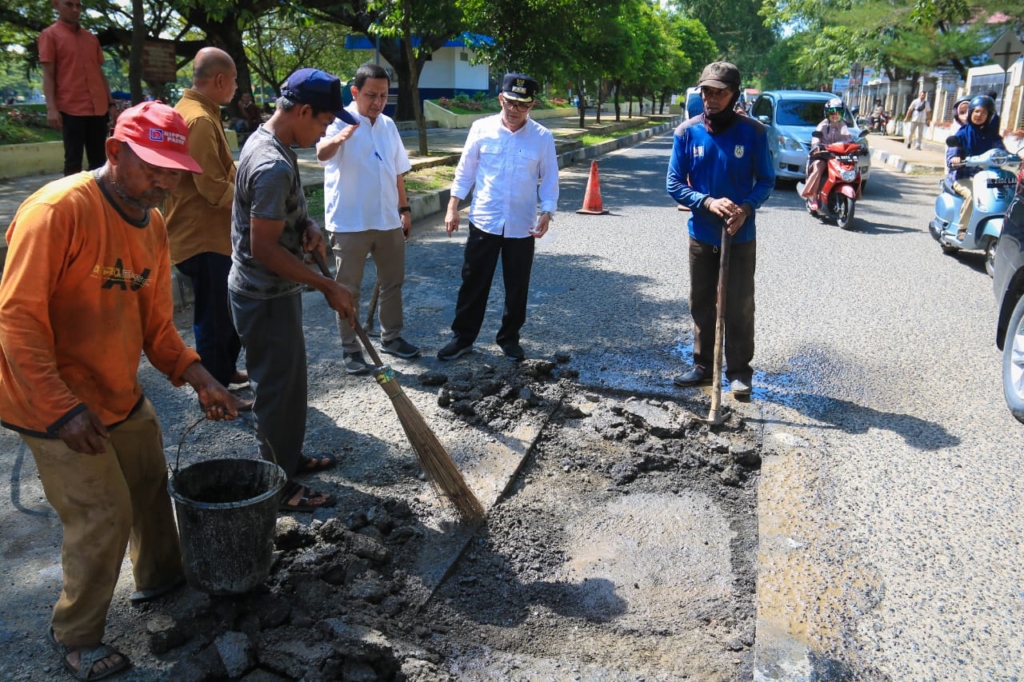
{"x": 834, "y": 106}
{"x": 985, "y": 102}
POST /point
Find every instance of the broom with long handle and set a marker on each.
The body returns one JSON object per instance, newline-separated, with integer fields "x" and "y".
{"x": 435, "y": 461}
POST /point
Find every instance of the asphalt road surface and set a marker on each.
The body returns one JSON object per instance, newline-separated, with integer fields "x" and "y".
{"x": 890, "y": 503}
{"x": 890, "y": 516}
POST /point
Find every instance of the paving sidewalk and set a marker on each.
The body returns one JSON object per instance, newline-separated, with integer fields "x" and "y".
{"x": 893, "y": 152}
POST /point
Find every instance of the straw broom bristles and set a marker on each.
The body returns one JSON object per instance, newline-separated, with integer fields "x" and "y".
{"x": 437, "y": 464}
{"x": 434, "y": 459}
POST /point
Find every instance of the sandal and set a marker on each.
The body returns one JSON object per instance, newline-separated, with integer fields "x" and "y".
{"x": 306, "y": 500}
{"x": 89, "y": 656}
{"x": 143, "y": 596}
{"x": 309, "y": 465}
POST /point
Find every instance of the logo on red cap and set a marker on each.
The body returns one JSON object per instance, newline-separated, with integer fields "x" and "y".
{"x": 157, "y": 134}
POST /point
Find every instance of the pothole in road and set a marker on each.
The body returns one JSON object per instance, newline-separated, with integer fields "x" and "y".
{"x": 623, "y": 548}
{"x": 617, "y": 554}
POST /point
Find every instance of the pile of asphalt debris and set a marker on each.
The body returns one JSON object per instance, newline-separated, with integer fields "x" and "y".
{"x": 337, "y": 605}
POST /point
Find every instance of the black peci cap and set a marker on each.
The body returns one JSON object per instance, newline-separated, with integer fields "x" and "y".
{"x": 519, "y": 87}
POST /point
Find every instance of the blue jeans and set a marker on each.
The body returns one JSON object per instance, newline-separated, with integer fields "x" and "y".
{"x": 217, "y": 342}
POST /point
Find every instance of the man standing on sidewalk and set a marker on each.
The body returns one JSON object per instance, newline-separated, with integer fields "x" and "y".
{"x": 722, "y": 171}
{"x": 367, "y": 211}
{"x": 919, "y": 114}
{"x": 78, "y": 99}
{"x": 270, "y": 234}
{"x": 505, "y": 157}
{"x": 199, "y": 214}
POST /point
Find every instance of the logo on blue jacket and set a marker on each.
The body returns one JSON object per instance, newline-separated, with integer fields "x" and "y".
{"x": 738, "y": 152}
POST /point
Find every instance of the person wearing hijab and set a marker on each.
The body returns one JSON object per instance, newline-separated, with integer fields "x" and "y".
{"x": 977, "y": 137}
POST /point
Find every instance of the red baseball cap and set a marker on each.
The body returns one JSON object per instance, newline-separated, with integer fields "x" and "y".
{"x": 157, "y": 134}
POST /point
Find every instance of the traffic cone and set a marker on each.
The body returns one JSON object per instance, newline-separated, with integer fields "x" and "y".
{"x": 592, "y": 199}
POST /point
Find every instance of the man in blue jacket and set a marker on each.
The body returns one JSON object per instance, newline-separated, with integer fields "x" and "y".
{"x": 721, "y": 170}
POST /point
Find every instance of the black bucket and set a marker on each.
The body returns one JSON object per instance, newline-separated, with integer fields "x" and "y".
{"x": 227, "y": 511}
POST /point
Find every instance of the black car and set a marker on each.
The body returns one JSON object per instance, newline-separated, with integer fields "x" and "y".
{"x": 1008, "y": 281}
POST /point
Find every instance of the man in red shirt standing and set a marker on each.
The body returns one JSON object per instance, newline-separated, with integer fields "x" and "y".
{"x": 78, "y": 99}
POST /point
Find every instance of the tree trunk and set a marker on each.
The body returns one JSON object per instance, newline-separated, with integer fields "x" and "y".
{"x": 618, "y": 111}
{"x": 582, "y": 102}
{"x": 226, "y": 33}
{"x": 414, "y": 76}
{"x": 135, "y": 57}
{"x": 600, "y": 84}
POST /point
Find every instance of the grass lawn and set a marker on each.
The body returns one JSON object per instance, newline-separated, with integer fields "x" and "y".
{"x": 27, "y": 135}
{"x": 589, "y": 139}
{"x": 425, "y": 180}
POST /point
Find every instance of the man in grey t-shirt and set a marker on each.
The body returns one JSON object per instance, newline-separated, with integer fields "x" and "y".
{"x": 270, "y": 234}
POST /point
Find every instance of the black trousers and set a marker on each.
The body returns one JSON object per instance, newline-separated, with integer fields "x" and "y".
{"x": 739, "y": 306}
{"x": 481, "y": 259}
{"x": 83, "y": 132}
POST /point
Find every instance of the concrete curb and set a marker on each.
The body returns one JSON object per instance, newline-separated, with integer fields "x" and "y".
{"x": 902, "y": 165}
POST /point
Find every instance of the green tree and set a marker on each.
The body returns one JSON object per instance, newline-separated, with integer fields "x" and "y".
{"x": 737, "y": 28}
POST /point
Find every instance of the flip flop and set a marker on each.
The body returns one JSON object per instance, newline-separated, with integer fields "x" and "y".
{"x": 143, "y": 596}
{"x": 88, "y": 657}
{"x": 304, "y": 504}
{"x": 309, "y": 465}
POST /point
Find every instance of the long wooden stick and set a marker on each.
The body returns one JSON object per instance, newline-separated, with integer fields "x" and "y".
{"x": 715, "y": 416}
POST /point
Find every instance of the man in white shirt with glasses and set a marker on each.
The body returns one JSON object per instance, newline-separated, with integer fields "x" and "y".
{"x": 367, "y": 211}
{"x": 511, "y": 161}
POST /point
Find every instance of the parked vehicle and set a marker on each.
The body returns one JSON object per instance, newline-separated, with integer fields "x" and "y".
{"x": 837, "y": 198}
{"x": 791, "y": 116}
{"x": 1008, "y": 284}
{"x": 694, "y": 104}
{"x": 992, "y": 188}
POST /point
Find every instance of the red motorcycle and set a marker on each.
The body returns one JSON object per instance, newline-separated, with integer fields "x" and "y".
{"x": 838, "y": 195}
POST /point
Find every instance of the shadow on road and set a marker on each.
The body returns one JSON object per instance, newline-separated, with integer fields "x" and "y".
{"x": 851, "y": 418}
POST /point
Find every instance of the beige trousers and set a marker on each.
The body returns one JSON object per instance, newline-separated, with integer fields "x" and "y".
{"x": 387, "y": 247}
{"x": 966, "y": 190}
{"x": 104, "y": 503}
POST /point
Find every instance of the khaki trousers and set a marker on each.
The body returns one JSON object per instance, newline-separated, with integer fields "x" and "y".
{"x": 105, "y": 501}
{"x": 965, "y": 189}
{"x": 387, "y": 247}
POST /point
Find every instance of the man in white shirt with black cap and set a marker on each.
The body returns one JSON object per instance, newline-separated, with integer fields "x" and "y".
{"x": 511, "y": 161}
{"x": 367, "y": 212}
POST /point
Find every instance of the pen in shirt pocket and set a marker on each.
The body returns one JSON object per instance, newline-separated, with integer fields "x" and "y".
{"x": 377, "y": 155}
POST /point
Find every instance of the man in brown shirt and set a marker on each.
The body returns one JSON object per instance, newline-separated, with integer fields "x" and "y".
{"x": 199, "y": 214}
{"x": 78, "y": 98}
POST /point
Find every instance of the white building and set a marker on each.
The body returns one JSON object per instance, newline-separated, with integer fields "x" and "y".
{"x": 448, "y": 72}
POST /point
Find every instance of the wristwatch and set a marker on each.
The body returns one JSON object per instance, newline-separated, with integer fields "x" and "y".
{"x": 549, "y": 214}
{"x": 404, "y": 209}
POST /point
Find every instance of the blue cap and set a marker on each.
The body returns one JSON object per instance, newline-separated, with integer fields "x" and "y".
{"x": 318, "y": 89}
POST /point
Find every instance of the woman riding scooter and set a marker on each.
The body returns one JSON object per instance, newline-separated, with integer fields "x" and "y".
{"x": 829, "y": 131}
{"x": 977, "y": 137}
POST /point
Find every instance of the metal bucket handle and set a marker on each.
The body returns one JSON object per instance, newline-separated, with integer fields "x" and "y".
{"x": 193, "y": 425}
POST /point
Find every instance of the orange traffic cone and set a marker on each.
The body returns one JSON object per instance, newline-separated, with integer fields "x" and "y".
{"x": 592, "y": 199}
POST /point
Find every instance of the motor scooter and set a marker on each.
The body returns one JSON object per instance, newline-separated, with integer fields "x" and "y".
{"x": 838, "y": 195}
{"x": 878, "y": 123}
{"x": 992, "y": 188}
